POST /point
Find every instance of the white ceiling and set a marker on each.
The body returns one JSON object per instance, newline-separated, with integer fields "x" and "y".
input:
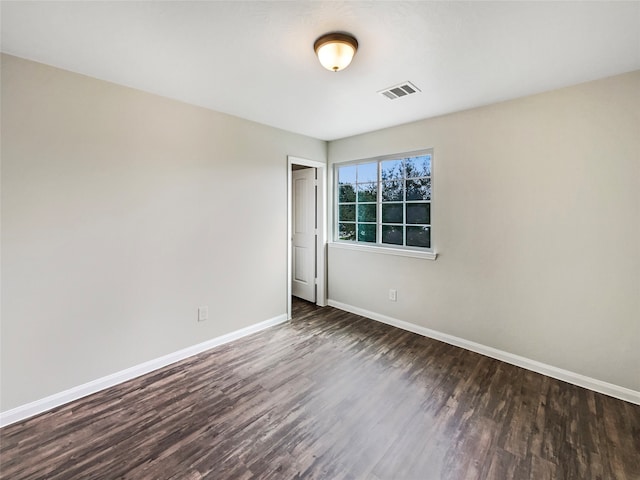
{"x": 256, "y": 60}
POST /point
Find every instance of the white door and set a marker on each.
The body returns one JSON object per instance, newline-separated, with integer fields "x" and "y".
{"x": 303, "y": 228}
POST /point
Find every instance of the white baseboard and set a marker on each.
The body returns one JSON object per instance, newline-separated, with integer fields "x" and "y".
{"x": 39, "y": 406}
{"x": 610, "y": 389}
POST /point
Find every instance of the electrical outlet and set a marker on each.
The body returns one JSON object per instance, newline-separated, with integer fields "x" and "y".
{"x": 203, "y": 314}
{"x": 393, "y": 295}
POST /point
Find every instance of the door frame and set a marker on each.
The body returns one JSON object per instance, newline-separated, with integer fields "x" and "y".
{"x": 321, "y": 238}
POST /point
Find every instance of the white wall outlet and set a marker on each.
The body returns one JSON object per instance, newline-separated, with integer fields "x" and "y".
{"x": 393, "y": 295}
{"x": 203, "y": 314}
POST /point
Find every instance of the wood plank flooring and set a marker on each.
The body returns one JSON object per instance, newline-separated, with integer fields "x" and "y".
{"x": 331, "y": 395}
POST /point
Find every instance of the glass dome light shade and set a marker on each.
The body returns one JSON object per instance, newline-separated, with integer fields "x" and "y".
{"x": 335, "y": 50}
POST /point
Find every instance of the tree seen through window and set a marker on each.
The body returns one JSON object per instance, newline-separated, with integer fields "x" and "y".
{"x": 386, "y": 201}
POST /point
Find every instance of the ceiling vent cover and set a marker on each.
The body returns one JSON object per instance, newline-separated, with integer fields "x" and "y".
{"x": 401, "y": 90}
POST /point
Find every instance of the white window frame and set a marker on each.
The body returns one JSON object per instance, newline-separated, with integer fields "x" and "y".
{"x": 379, "y": 247}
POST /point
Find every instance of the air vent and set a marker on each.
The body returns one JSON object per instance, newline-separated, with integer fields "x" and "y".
{"x": 401, "y": 90}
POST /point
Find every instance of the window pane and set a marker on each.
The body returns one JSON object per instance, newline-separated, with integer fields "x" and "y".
{"x": 393, "y": 234}
{"x": 366, "y": 232}
{"x": 367, "y": 212}
{"x": 391, "y": 169}
{"x": 393, "y": 191}
{"x": 419, "y": 189}
{"x": 419, "y": 237}
{"x": 347, "y": 174}
{"x": 347, "y": 231}
{"x": 392, "y": 213}
{"x": 419, "y": 166}
{"x": 402, "y": 188}
{"x": 367, "y": 192}
{"x": 418, "y": 213}
{"x": 347, "y": 193}
{"x": 347, "y": 213}
{"x": 368, "y": 172}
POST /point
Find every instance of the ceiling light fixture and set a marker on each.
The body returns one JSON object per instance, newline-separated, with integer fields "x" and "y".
{"x": 335, "y": 50}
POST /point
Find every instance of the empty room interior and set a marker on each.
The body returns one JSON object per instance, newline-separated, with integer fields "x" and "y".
{"x": 325, "y": 239}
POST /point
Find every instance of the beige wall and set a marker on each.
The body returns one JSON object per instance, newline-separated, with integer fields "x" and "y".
{"x": 537, "y": 225}
{"x": 122, "y": 212}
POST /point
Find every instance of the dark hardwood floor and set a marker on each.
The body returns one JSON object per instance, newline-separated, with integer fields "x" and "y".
{"x": 332, "y": 395}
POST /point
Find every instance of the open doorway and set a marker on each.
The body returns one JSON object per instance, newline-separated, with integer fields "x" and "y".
{"x": 304, "y": 225}
{"x": 307, "y": 232}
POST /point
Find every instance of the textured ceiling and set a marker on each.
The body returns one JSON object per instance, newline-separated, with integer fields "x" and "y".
{"x": 256, "y": 60}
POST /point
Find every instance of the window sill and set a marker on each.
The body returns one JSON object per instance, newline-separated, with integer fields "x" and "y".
{"x": 400, "y": 252}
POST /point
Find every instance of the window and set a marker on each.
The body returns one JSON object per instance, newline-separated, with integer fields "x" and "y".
{"x": 385, "y": 202}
